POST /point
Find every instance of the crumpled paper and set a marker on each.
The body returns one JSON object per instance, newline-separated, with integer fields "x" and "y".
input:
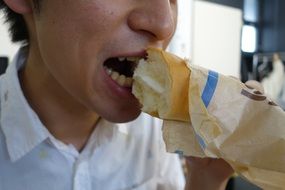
{"x": 235, "y": 122}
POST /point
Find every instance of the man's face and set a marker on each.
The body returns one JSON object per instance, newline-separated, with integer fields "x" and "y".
{"x": 77, "y": 40}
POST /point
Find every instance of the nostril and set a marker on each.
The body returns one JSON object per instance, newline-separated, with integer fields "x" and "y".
{"x": 159, "y": 24}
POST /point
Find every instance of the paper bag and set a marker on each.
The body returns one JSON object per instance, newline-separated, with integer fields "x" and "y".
{"x": 232, "y": 121}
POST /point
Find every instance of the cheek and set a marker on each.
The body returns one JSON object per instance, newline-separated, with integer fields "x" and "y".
{"x": 78, "y": 33}
{"x": 73, "y": 47}
{"x": 66, "y": 60}
{"x": 79, "y": 28}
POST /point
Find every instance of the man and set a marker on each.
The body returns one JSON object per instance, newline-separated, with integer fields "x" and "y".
{"x": 68, "y": 87}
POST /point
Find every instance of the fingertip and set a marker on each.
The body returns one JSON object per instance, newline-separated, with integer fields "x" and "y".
{"x": 256, "y": 85}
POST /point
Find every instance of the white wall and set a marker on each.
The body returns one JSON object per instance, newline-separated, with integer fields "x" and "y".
{"x": 6, "y": 47}
{"x": 216, "y": 37}
{"x": 181, "y": 43}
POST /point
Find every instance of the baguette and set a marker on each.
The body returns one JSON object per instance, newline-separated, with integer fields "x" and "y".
{"x": 161, "y": 84}
{"x": 229, "y": 120}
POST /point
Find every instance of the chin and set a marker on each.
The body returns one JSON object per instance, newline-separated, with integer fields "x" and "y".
{"x": 123, "y": 116}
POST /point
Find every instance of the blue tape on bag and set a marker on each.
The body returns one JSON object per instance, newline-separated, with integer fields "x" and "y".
{"x": 210, "y": 87}
{"x": 201, "y": 141}
{"x": 207, "y": 96}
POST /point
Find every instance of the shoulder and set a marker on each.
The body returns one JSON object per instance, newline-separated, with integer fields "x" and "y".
{"x": 144, "y": 133}
{"x": 3, "y": 148}
{"x": 1, "y": 91}
{"x": 145, "y": 120}
{"x": 148, "y": 131}
{"x": 146, "y": 125}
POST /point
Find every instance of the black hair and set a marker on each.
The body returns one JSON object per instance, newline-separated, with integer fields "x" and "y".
{"x": 17, "y": 26}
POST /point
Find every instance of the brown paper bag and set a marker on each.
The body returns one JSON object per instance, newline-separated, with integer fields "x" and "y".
{"x": 233, "y": 122}
{"x": 222, "y": 117}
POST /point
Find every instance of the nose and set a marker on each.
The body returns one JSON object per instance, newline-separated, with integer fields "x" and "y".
{"x": 155, "y": 17}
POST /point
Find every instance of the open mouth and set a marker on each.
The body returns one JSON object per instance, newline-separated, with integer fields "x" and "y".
{"x": 121, "y": 69}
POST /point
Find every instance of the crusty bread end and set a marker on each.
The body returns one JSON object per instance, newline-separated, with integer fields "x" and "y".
{"x": 161, "y": 84}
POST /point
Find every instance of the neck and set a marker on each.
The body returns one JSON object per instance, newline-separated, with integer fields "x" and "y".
{"x": 65, "y": 117}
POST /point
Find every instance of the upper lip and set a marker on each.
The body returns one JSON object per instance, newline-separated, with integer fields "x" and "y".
{"x": 141, "y": 54}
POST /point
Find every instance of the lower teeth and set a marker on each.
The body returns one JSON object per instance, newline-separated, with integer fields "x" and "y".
{"x": 122, "y": 80}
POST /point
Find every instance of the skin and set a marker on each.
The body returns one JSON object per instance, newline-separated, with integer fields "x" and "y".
{"x": 69, "y": 42}
{"x": 207, "y": 173}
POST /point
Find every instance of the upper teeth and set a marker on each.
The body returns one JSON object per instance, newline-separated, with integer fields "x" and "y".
{"x": 132, "y": 59}
{"x": 122, "y": 58}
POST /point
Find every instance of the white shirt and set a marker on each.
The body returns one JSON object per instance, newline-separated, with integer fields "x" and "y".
{"x": 116, "y": 157}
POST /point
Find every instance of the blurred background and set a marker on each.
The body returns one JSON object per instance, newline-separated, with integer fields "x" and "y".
{"x": 242, "y": 38}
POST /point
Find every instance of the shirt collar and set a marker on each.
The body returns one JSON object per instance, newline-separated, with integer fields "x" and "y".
{"x": 21, "y": 126}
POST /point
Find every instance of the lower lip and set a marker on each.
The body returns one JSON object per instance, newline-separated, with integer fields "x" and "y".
{"x": 117, "y": 90}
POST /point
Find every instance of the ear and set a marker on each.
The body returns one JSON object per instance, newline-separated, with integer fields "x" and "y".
{"x": 19, "y": 6}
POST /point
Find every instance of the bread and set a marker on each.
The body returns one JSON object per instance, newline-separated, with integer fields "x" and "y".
{"x": 161, "y": 84}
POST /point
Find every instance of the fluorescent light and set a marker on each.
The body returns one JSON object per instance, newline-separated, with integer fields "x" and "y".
{"x": 248, "y": 41}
